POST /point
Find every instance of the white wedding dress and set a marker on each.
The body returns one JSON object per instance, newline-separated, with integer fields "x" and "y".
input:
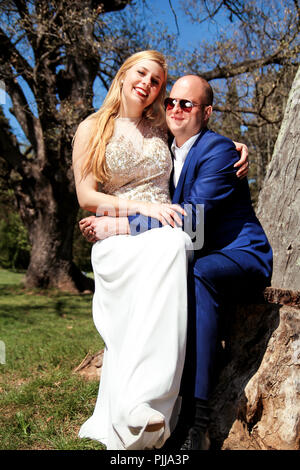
{"x": 140, "y": 300}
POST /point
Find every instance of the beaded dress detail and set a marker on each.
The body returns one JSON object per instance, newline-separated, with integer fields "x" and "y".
{"x": 139, "y": 162}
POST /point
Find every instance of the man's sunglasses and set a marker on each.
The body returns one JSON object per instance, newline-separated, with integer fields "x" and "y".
{"x": 185, "y": 105}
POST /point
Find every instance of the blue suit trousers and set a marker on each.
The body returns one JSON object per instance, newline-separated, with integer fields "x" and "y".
{"x": 219, "y": 279}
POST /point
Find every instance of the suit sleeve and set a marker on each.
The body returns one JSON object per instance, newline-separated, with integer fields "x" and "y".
{"x": 140, "y": 223}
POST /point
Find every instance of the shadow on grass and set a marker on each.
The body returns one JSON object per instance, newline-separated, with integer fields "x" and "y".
{"x": 59, "y": 309}
{"x": 17, "y": 303}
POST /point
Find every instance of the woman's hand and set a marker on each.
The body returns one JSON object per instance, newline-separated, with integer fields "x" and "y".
{"x": 98, "y": 228}
{"x": 166, "y": 213}
{"x": 87, "y": 229}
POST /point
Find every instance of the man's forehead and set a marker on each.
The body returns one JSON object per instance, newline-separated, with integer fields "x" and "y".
{"x": 187, "y": 89}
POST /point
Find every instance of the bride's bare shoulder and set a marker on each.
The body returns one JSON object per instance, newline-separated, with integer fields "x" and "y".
{"x": 82, "y": 139}
{"x": 85, "y": 127}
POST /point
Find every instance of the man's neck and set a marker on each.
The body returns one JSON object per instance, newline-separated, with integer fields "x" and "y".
{"x": 181, "y": 140}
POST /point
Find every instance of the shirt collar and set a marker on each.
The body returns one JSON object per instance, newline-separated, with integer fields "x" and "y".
{"x": 185, "y": 148}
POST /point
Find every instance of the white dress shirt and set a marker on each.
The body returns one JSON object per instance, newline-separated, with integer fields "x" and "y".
{"x": 180, "y": 154}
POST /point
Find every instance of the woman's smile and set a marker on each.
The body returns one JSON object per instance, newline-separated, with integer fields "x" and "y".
{"x": 141, "y": 92}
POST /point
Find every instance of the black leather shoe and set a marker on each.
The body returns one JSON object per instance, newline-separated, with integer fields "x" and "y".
{"x": 196, "y": 440}
{"x": 177, "y": 438}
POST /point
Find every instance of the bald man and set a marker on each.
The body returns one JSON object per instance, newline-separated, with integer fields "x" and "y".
{"x": 232, "y": 256}
{"x": 235, "y": 258}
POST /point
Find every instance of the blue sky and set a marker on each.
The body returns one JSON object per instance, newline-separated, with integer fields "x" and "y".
{"x": 189, "y": 33}
{"x": 164, "y": 13}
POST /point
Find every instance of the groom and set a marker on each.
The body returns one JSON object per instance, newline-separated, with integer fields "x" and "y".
{"x": 233, "y": 257}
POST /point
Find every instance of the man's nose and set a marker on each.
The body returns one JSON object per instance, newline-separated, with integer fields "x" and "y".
{"x": 177, "y": 107}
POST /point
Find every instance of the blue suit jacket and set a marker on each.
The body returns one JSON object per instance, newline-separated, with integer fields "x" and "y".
{"x": 214, "y": 197}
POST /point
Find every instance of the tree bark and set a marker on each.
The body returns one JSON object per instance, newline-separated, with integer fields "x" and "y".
{"x": 279, "y": 199}
{"x": 51, "y": 238}
{"x": 256, "y": 403}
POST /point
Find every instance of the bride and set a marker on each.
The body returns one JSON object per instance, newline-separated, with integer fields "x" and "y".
{"x": 122, "y": 166}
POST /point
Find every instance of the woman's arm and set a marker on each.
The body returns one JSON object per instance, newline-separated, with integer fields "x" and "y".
{"x": 91, "y": 199}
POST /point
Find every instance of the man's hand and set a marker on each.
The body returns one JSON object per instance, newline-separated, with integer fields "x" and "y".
{"x": 166, "y": 213}
{"x": 243, "y": 163}
{"x": 98, "y": 228}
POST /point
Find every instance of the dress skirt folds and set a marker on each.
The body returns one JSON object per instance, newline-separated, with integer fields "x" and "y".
{"x": 140, "y": 311}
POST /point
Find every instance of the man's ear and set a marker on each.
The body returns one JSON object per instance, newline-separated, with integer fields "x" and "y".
{"x": 207, "y": 112}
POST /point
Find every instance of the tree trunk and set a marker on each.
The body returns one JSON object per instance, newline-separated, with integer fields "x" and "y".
{"x": 51, "y": 237}
{"x": 48, "y": 207}
{"x": 279, "y": 200}
{"x": 256, "y": 404}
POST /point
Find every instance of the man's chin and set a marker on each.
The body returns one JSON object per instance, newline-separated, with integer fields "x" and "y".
{"x": 175, "y": 126}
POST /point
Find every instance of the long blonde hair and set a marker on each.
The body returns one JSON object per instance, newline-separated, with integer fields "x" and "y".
{"x": 103, "y": 119}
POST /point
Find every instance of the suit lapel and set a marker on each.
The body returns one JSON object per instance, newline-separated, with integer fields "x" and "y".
{"x": 171, "y": 181}
{"x": 191, "y": 158}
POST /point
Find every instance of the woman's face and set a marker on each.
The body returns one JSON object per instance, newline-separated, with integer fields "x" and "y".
{"x": 141, "y": 86}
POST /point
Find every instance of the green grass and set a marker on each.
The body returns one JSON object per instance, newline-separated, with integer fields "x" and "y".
{"x": 10, "y": 277}
{"x": 46, "y": 335}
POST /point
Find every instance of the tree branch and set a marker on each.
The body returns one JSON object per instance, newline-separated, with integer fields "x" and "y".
{"x": 238, "y": 111}
{"x": 21, "y": 109}
{"x": 9, "y": 148}
{"x": 175, "y": 16}
{"x": 9, "y": 54}
{"x": 105, "y": 6}
{"x": 246, "y": 66}
{"x": 26, "y": 20}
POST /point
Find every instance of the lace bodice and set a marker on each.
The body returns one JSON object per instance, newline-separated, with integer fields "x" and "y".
{"x": 139, "y": 162}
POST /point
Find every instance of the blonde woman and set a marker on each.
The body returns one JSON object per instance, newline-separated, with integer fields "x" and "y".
{"x": 122, "y": 166}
